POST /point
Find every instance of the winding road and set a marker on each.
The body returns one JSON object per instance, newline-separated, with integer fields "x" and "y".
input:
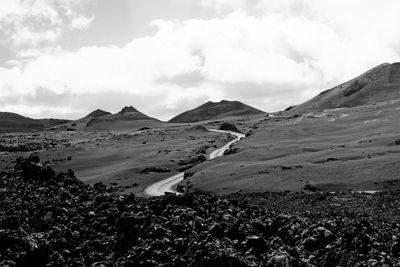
{"x": 170, "y": 184}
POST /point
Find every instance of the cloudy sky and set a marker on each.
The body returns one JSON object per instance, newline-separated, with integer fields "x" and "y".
{"x": 65, "y": 58}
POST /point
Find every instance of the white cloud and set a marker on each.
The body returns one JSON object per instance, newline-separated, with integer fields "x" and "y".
{"x": 222, "y": 4}
{"x": 33, "y": 23}
{"x": 266, "y": 53}
{"x": 81, "y": 22}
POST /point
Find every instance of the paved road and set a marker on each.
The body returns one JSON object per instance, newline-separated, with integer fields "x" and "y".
{"x": 170, "y": 184}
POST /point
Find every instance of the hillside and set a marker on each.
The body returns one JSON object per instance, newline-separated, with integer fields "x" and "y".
{"x": 12, "y": 122}
{"x": 80, "y": 124}
{"x": 216, "y": 110}
{"x": 376, "y": 85}
{"x": 343, "y": 149}
{"x": 127, "y": 118}
{"x": 97, "y": 113}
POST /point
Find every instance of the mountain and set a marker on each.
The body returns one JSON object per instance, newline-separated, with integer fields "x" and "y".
{"x": 216, "y": 110}
{"x": 129, "y": 109}
{"x": 127, "y": 118}
{"x": 80, "y": 124}
{"x": 376, "y": 85}
{"x": 98, "y": 113}
{"x": 12, "y": 122}
{"x": 126, "y": 114}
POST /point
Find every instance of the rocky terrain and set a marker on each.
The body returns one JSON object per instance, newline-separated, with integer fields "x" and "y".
{"x": 53, "y": 219}
{"x": 29, "y": 142}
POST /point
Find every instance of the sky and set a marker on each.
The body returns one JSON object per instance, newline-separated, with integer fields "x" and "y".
{"x": 66, "y": 58}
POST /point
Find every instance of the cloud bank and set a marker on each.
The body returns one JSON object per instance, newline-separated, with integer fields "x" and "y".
{"x": 269, "y": 54}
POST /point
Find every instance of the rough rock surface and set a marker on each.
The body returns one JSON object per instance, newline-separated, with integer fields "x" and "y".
{"x": 53, "y": 219}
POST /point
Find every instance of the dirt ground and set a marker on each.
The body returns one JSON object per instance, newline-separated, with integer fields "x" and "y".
{"x": 333, "y": 150}
{"x": 126, "y": 160}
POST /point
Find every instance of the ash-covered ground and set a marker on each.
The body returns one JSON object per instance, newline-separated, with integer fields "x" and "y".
{"x": 54, "y": 219}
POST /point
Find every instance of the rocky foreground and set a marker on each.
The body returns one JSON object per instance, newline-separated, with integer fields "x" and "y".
{"x": 53, "y": 219}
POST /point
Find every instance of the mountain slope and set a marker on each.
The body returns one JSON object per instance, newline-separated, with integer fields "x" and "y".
{"x": 127, "y": 118}
{"x": 377, "y": 85}
{"x": 80, "y": 124}
{"x": 216, "y": 110}
{"x": 12, "y": 122}
{"x": 354, "y": 148}
{"x": 97, "y": 113}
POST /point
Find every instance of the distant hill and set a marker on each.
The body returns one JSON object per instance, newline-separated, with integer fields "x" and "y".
{"x": 379, "y": 84}
{"x": 12, "y": 122}
{"x": 98, "y": 113}
{"x": 127, "y": 118}
{"x": 216, "y": 110}
{"x": 80, "y": 124}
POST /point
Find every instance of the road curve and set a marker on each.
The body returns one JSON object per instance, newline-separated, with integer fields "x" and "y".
{"x": 220, "y": 152}
{"x": 169, "y": 184}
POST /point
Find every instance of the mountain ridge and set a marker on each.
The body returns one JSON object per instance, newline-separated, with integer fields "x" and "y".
{"x": 378, "y": 84}
{"x": 97, "y": 113}
{"x": 216, "y": 110}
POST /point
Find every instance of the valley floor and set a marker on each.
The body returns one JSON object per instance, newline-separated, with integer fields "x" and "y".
{"x": 128, "y": 161}
{"x": 347, "y": 149}
{"x": 333, "y": 150}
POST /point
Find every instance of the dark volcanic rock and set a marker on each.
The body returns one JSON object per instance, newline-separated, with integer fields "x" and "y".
{"x": 221, "y": 261}
{"x": 31, "y": 168}
{"x": 53, "y": 219}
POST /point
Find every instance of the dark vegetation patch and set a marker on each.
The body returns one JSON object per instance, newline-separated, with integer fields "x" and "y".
{"x": 286, "y": 168}
{"x": 279, "y": 168}
{"x": 326, "y": 160}
{"x": 53, "y": 219}
{"x": 289, "y": 108}
{"x": 251, "y": 132}
{"x": 188, "y": 174}
{"x": 231, "y": 150}
{"x": 144, "y": 128}
{"x": 197, "y": 156}
{"x": 354, "y": 88}
{"x": 190, "y": 162}
{"x": 197, "y": 128}
{"x": 227, "y": 126}
{"x": 155, "y": 169}
{"x": 30, "y": 143}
